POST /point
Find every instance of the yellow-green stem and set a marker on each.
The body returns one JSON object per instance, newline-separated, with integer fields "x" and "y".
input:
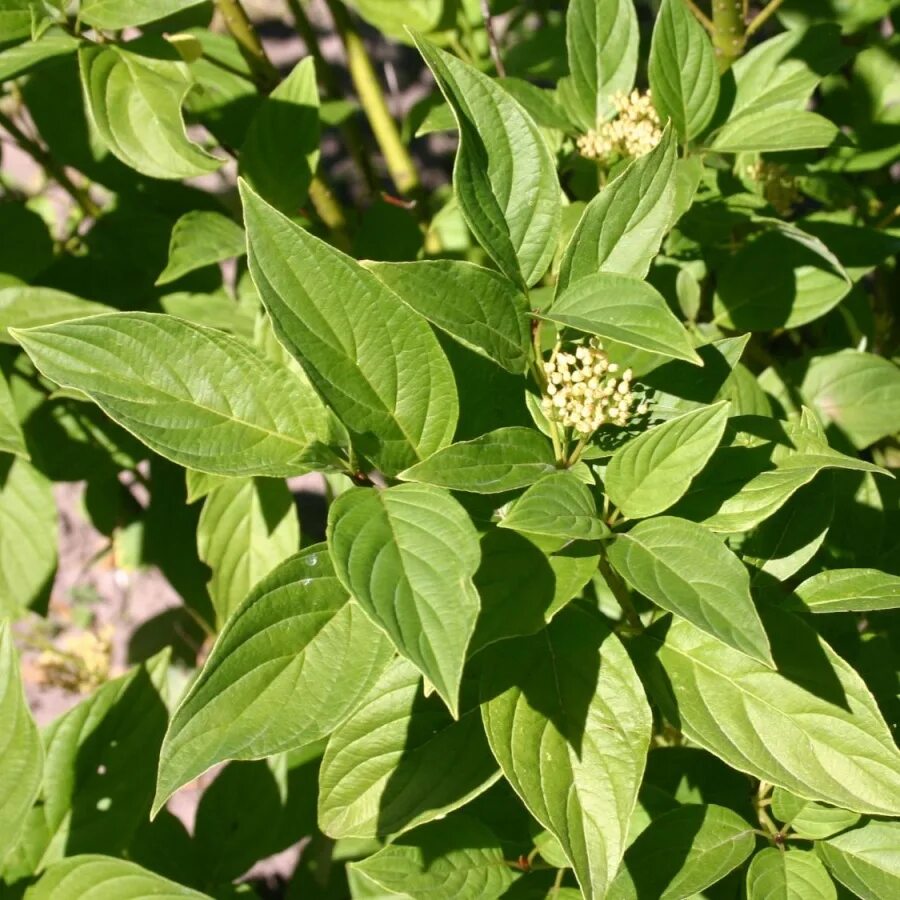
{"x": 330, "y": 212}
{"x": 729, "y": 31}
{"x": 241, "y": 28}
{"x": 763, "y": 17}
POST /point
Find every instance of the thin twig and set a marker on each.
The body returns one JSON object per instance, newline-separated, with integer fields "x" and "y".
{"x": 763, "y": 17}
{"x": 492, "y": 38}
{"x": 701, "y": 16}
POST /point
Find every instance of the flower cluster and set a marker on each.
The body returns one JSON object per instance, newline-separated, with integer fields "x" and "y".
{"x": 779, "y": 187}
{"x": 81, "y": 662}
{"x": 633, "y": 133}
{"x": 585, "y": 391}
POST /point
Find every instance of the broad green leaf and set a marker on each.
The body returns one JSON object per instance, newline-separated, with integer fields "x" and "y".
{"x": 247, "y": 527}
{"x": 771, "y": 131}
{"x": 623, "y": 309}
{"x": 505, "y": 175}
{"x": 394, "y": 20}
{"x": 602, "y": 42}
{"x": 479, "y": 308}
{"x": 683, "y": 568}
{"x": 11, "y": 438}
{"x": 792, "y": 874}
{"x": 105, "y": 878}
{"x": 866, "y": 860}
{"x": 623, "y": 226}
{"x": 280, "y": 154}
{"x": 20, "y": 747}
{"x": 27, "y": 536}
{"x": 682, "y": 853}
{"x": 841, "y": 590}
{"x": 859, "y": 392}
{"x": 401, "y": 761}
{"x": 21, "y": 59}
{"x": 134, "y": 104}
{"x": 350, "y": 333}
{"x": 293, "y": 661}
{"x": 498, "y": 461}
{"x": 808, "y": 818}
{"x": 115, "y": 14}
{"x": 559, "y": 505}
{"x": 407, "y": 554}
{"x": 31, "y": 307}
{"x": 649, "y": 473}
{"x": 683, "y": 72}
{"x": 199, "y": 239}
{"x": 811, "y": 727}
{"x": 199, "y": 484}
{"x": 15, "y": 19}
{"x": 195, "y": 395}
{"x": 455, "y": 857}
{"x": 566, "y": 717}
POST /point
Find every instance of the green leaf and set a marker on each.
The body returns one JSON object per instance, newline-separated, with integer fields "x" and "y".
{"x": 170, "y": 383}
{"x": 15, "y": 19}
{"x": 858, "y": 392}
{"x": 602, "y": 39}
{"x": 105, "y": 878}
{"x": 456, "y": 857}
{"x": 683, "y": 72}
{"x": 623, "y": 226}
{"x": 200, "y": 239}
{"x": 812, "y": 727}
{"x": 842, "y": 590}
{"x": 808, "y": 818}
{"x": 498, "y": 461}
{"x": 293, "y": 661}
{"x": 408, "y": 554}
{"x": 27, "y": 536}
{"x": 649, "y": 473}
{"x": 505, "y": 175}
{"x": 247, "y": 527}
{"x": 31, "y": 307}
{"x": 11, "y": 438}
{"x": 622, "y": 309}
{"x": 682, "y": 853}
{"x": 23, "y": 58}
{"x": 280, "y": 154}
{"x": 134, "y": 104}
{"x": 379, "y": 774}
{"x": 394, "y": 20}
{"x": 866, "y": 860}
{"x": 771, "y": 131}
{"x": 793, "y": 874}
{"x": 111, "y": 15}
{"x": 559, "y": 505}
{"x": 349, "y": 332}
{"x": 20, "y": 747}
{"x": 482, "y": 310}
{"x": 566, "y": 717}
{"x": 683, "y": 568}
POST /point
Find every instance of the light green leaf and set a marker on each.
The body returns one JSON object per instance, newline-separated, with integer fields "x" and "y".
{"x": 566, "y": 717}
{"x": 602, "y": 39}
{"x": 105, "y": 878}
{"x": 247, "y": 527}
{"x": 682, "y": 853}
{"x": 11, "y": 438}
{"x": 841, "y": 590}
{"x": 112, "y": 15}
{"x": 134, "y": 103}
{"x": 771, "y": 131}
{"x": 30, "y": 307}
{"x": 21, "y": 59}
{"x": 350, "y": 333}
{"x": 812, "y": 727}
{"x": 866, "y": 860}
{"x": 20, "y": 747}
{"x": 280, "y": 154}
{"x": 199, "y": 484}
{"x": 683, "y": 72}
{"x": 293, "y": 661}
{"x": 199, "y": 239}
{"x": 808, "y": 818}
{"x": 560, "y": 506}
{"x": 481, "y": 309}
{"x": 649, "y": 473}
{"x": 792, "y": 874}
{"x": 408, "y": 554}
{"x": 455, "y": 857}
{"x": 15, "y": 19}
{"x": 683, "y": 568}
{"x": 401, "y": 761}
{"x": 176, "y": 385}
{"x": 623, "y": 309}
{"x": 395, "y": 20}
{"x": 505, "y": 175}
{"x": 498, "y": 461}
{"x": 623, "y": 226}
{"x": 27, "y": 536}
